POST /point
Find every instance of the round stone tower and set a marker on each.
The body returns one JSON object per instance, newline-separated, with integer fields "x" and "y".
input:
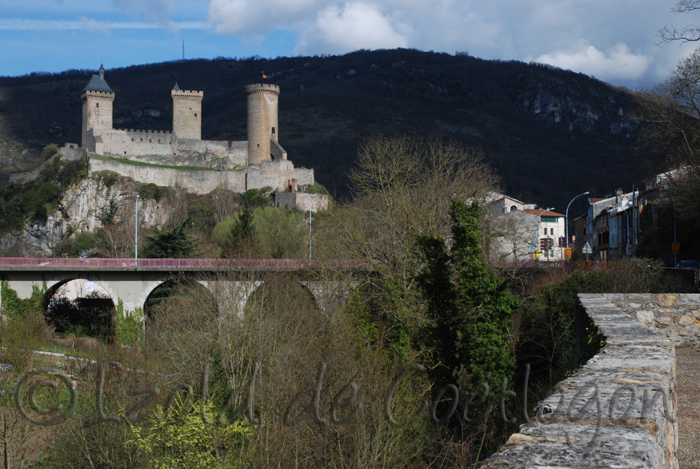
{"x": 262, "y": 120}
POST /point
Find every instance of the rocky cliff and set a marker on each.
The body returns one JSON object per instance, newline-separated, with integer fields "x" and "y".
{"x": 79, "y": 211}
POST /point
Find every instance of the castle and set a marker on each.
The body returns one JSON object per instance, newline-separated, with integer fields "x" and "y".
{"x": 182, "y": 159}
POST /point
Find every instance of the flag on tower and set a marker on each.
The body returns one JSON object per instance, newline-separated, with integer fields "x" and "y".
{"x": 264, "y": 76}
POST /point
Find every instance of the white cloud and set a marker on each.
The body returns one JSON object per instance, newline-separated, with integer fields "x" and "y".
{"x": 256, "y": 18}
{"x": 351, "y": 27}
{"x": 157, "y": 10}
{"x": 617, "y": 62}
{"x": 85, "y": 23}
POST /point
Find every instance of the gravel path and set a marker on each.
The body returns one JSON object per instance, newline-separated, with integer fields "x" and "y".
{"x": 688, "y": 392}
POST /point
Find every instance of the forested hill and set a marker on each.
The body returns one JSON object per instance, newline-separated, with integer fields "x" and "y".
{"x": 551, "y": 134}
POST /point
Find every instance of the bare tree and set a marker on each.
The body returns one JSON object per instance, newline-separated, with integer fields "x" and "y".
{"x": 224, "y": 202}
{"x": 402, "y": 189}
{"x": 669, "y": 34}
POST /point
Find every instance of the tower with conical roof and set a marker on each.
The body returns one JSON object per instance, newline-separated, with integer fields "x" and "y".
{"x": 187, "y": 113}
{"x": 98, "y": 99}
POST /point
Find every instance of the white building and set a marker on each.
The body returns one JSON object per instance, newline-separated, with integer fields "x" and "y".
{"x": 551, "y": 234}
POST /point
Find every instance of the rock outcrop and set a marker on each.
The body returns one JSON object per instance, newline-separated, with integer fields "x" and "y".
{"x": 79, "y": 211}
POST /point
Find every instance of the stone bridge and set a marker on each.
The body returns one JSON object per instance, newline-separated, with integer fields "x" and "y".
{"x": 231, "y": 281}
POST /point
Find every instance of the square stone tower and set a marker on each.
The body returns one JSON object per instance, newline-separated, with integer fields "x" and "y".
{"x": 98, "y": 99}
{"x": 187, "y": 113}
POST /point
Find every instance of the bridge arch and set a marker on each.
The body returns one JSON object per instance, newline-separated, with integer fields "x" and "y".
{"x": 161, "y": 289}
{"x": 80, "y": 306}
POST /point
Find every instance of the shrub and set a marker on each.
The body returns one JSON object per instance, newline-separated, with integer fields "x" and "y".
{"x": 49, "y": 151}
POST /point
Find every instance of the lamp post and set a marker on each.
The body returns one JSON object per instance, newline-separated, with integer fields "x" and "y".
{"x": 566, "y": 226}
{"x": 309, "y": 200}
{"x": 136, "y": 236}
{"x": 537, "y": 226}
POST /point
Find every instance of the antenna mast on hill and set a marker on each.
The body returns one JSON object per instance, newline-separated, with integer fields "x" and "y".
{"x": 183, "y": 49}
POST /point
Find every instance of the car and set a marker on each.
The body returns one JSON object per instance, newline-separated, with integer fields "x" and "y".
{"x": 689, "y": 265}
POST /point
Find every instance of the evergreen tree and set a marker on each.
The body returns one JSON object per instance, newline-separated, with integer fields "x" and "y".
{"x": 242, "y": 238}
{"x": 469, "y": 306}
{"x": 170, "y": 244}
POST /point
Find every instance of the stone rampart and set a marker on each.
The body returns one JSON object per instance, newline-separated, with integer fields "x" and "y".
{"x": 69, "y": 152}
{"x": 278, "y": 175}
{"x": 301, "y": 201}
{"x": 277, "y": 151}
{"x": 676, "y": 317}
{"x": 194, "y": 182}
{"x": 606, "y": 415}
{"x": 158, "y": 147}
{"x": 126, "y": 143}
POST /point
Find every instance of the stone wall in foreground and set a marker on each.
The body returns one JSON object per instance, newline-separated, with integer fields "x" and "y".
{"x": 605, "y": 415}
{"x": 676, "y": 317}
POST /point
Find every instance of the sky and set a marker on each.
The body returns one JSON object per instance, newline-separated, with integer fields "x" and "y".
{"x": 613, "y": 40}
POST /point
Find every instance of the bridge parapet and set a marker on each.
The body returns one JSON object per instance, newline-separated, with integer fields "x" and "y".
{"x": 196, "y": 264}
{"x": 618, "y": 410}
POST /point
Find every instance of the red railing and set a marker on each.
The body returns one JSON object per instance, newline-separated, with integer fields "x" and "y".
{"x": 40, "y": 262}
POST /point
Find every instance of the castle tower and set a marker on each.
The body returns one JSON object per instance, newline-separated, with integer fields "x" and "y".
{"x": 187, "y": 113}
{"x": 262, "y": 120}
{"x": 98, "y": 99}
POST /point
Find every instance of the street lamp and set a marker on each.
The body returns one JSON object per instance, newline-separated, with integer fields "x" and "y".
{"x": 309, "y": 200}
{"x": 566, "y": 227}
{"x": 136, "y": 236}
{"x": 537, "y": 226}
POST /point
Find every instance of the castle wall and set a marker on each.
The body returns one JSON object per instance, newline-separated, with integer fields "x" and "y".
{"x": 301, "y": 201}
{"x": 157, "y": 147}
{"x": 278, "y": 175}
{"x": 187, "y": 114}
{"x": 124, "y": 143}
{"x": 276, "y": 150}
{"x": 194, "y": 182}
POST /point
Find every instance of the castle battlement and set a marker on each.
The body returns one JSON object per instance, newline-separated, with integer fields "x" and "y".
{"x": 137, "y": 131}
{"x": 97, "y": 94}
{"x": 187, "y": 94}
{"x": 262, "y": 88}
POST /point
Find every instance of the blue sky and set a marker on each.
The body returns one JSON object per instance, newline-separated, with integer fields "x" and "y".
{"x": 614, "y": 40}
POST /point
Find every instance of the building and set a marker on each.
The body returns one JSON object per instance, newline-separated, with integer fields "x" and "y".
{"x": 520, "y": 232}
{"x": 180, "y": 157}
{"x": 551, "y": 234}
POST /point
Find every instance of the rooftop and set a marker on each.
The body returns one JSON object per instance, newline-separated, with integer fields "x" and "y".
{"x": 97, "y": 83}
{"x": 545, "y": 213}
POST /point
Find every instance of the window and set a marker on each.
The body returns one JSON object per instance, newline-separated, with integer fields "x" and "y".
{"x": 513, "y": 208}
{"x": 97, "y": 104}
{"x": 97, "y": 113}
{"x": 551, "y": 231}
{"x": 132, "y": 139}
{"x": 258, "y": 145}
{"x": 273, "y": 131}
{"x": 545, "y": 231}
{"x": 195, "y": 114}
